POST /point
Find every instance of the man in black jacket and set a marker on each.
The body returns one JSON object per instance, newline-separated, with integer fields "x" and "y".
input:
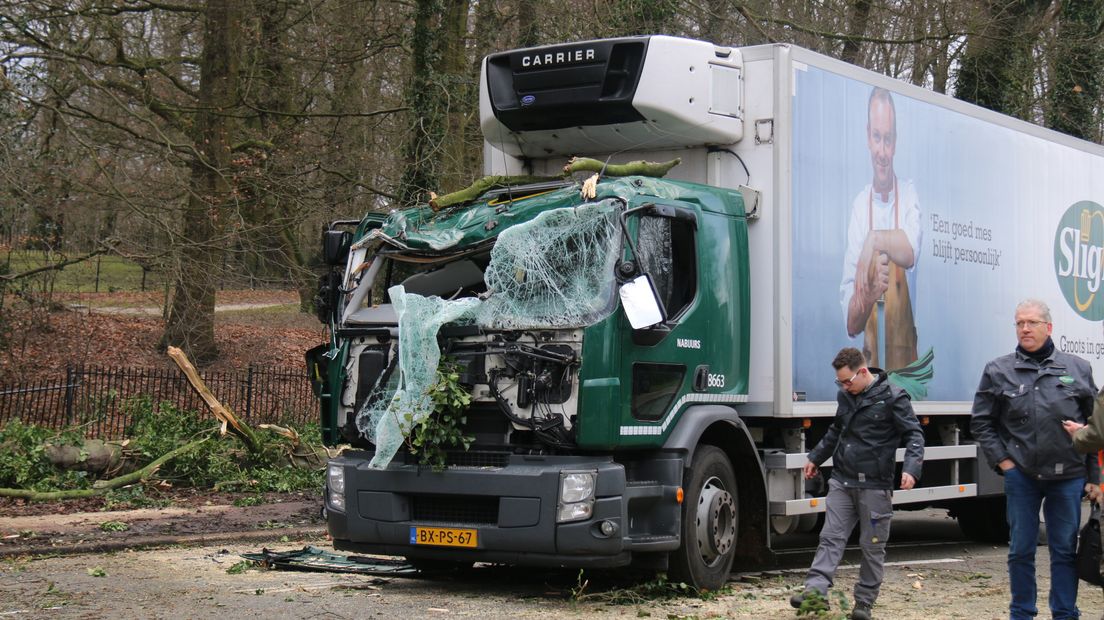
{"x": 872, "y": 419}
{"x": 1019, "y": 409}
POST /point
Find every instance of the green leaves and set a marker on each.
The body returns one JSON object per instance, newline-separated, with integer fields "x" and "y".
{"x": 431, "y": 438}
{"x": 24, "y": 463}
{"x": 114, "y": 526}
{"x": 156, "y": 430}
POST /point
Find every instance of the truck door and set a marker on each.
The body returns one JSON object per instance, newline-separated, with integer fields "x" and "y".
{"x": 662, "y": 363}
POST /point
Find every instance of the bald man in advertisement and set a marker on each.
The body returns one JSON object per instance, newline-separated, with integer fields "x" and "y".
{"x": 883, "y": 246}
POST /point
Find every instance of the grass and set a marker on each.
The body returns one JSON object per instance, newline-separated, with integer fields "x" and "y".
{"x": 104, "y": 273}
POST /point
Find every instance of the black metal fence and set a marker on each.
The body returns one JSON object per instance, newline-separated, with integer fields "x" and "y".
{"x": 99, "y": 398}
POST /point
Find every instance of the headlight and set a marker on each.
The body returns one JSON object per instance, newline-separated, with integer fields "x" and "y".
{"x": 577, "y": 486}
{"x": 337, "y": 478}
{"x": 575, "y": 512}
{"x": 337, "y": 501}
{"x": 335, "y": 481}
{"x": 576, "y": 495}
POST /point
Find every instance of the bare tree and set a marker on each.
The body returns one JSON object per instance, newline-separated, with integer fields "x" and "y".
{"x": 190, "y": 325}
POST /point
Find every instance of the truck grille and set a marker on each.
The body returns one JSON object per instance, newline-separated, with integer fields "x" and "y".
{"x": 454, "y": 510}
{"x": 472, "y": 458}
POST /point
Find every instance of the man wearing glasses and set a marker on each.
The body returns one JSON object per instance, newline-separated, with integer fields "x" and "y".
{"x": 872, "y": 419}
{"x": 1022, "y": 401}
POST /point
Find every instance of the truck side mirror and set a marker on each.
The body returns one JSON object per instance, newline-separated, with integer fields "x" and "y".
{"x": 335, "y": 246}
{"x": 641, "y": 303}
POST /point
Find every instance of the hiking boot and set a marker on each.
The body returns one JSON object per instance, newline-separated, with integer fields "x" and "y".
{"x": 861, "y": 611}
{"x": 815, "y": 600}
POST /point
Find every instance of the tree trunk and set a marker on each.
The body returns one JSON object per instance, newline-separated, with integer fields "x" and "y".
{"x": 858, "y": 15}
{"x": 191, "y": 322}
{"x": 421, "y": 172}
{"x": 637, "y": 17}
{"x": 528, "y": 20}
{"x": 462, "y": 159}
{"x": 283, "y": 210}
{"x": 996, "y": 68}
{"x": 1074, "y": 92}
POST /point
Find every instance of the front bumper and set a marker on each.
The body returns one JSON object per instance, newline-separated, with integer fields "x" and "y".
{"x": 512, "y": 508}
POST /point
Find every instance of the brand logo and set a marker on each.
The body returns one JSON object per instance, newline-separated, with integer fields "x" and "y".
{"x": 688, "y": 343}
{"x": 1078, "y": 256}
{"x": 564, "y": 57}
{"x": 528, "y": 100}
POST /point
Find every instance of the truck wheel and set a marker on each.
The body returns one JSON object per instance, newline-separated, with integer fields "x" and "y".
{"x": 984, "y": 519}
{"x": 709, "y": 522}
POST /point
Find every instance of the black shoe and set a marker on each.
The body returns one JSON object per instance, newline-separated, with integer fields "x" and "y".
{"x": 817, "y": 601}
{"x": 861, "y": 612}
{"x": 799, "y": 598}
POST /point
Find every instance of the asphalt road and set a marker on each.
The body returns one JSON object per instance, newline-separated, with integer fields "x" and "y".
{"x": 933, "y": 573}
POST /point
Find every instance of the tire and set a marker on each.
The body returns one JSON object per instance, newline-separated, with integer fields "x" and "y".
{"x": 984, "y": 519}
{"x": 710, "y": 522}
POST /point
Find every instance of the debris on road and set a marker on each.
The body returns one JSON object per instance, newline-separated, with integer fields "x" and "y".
{"x": 311, "y": 558}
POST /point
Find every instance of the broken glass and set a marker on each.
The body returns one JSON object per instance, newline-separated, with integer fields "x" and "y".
{"x": 554, "y": 271}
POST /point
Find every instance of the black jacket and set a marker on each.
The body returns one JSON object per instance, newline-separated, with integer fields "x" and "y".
{"x": 1018, "y": 411}
{"x": 866, "y": 433}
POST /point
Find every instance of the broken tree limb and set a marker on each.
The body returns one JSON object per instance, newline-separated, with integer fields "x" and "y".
{"x": 299, "y": 454}
{"x": 481, "y": 186}
{"x": 229, "y": 420}
{"x": 103, "y": 486}
{"x": 633, "y": 168}
{"x": 93, "y": 455}
{"x": 590, "y": 187}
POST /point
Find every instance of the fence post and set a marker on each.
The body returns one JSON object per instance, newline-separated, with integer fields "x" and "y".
{"x": 249, "y": 392}
{"x": 69, "y": 379}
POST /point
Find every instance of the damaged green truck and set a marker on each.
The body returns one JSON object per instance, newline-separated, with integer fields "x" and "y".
{"x": 646, "y": 360}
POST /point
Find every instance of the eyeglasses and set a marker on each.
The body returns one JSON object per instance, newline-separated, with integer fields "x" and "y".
{"x": 848, "y": 382}
{"x": 1031, "y": 324}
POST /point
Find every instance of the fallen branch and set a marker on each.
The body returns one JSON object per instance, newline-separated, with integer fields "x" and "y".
{"x": 300, "y": 455}
{"x": 227, "y": 417}
{"x": 480, "y": 187}
{"x": 103, "y": 486}
{"x": 575, "y": 164}
{"x": 95, "y": 456}
{"x": 633, "y": 168}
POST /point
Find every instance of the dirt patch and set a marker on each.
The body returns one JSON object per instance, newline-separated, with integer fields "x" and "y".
{"x": 41, "y": 346}
{"x": 86, "y": 525}
{"x": 200, "y": 582}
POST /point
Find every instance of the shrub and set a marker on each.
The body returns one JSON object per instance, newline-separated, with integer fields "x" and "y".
{"x": 23, "y": 460}
{"x": 155, "y": 430}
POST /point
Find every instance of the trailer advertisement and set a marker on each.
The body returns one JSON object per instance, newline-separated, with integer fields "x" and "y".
{"x": 917, "y": 228}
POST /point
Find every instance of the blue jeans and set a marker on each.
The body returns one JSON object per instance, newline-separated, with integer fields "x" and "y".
{"x": 1062, "y": 511}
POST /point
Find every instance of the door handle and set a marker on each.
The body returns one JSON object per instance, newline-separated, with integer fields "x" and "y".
{"x": 701, "y": 378}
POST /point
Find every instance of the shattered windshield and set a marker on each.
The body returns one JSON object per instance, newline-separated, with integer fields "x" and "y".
{"x": 554, "y": 271}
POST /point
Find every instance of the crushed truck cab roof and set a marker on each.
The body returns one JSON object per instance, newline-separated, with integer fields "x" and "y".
{"x": 421, "y": 232}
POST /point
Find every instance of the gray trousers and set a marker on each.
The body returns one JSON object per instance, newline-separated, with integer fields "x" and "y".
{"x": 844, "y": 506}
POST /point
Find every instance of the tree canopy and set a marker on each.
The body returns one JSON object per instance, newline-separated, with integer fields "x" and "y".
{"x": 211, "y": 139}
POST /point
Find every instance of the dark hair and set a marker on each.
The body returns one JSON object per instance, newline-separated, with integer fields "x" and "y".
{"x": 849, "y": 357}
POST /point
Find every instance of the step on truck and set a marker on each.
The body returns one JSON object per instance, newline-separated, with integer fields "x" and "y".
{"x": 636, "y": 361}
